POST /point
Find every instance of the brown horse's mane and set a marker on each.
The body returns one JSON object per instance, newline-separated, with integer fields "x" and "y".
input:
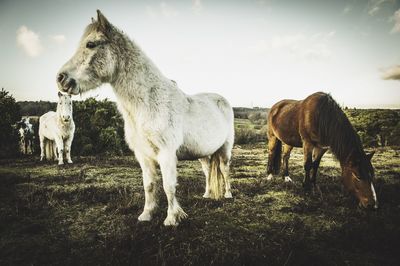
{"x": 336, "y": 130}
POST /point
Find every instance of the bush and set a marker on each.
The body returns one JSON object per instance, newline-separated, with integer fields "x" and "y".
{"x": 99, "y": 128}
{"x": 110, "y": 141}
{"x": 87, "y": 149}
{"x": 10, "y": 115}
{"x": 248, "y": 135}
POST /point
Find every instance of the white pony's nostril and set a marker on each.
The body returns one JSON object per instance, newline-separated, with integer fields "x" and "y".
{"x": 61, "y": 77}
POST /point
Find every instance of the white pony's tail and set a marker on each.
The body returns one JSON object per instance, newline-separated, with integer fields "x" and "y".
{"x": 216, "y": 177}
{"x": 49, "y": 150}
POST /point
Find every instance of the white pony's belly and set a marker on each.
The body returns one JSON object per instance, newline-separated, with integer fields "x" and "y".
{"x": 208, "y": 125}
{"x": 48, "y": 125}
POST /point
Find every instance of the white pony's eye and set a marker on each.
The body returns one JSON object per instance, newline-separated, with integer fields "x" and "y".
{"x": 90, "y": 45}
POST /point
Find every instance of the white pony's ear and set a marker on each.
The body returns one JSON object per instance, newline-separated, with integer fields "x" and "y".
{"x": 59, "y": 94}
{"x": 103, "y": 22}
{"x": 93, "y": 20}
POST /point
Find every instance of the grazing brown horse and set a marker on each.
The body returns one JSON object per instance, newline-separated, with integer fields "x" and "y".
{"x": 316, "y": 124}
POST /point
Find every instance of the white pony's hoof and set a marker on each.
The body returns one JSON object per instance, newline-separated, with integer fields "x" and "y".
{"x": 269, "y": 177}
{"x": 144, "y": 217}
{"x": 170, "y": 221}
{"x": 70, "y": 161}
{"x": 288, "y": 179}
{"x": 228, "y": 195}
{"x": 41, "y": 158}
{"x": 60, "y": 163}
{"x": 206, "y": 195}
{"x": 173, "y": 220}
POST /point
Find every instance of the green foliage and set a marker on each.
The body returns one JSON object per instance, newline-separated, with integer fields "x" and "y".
{"x": 248, "y": 132}
{"x": 10, "y": 114}
{"x": 39, "y": 108}
{"x": 377, "y": 127}
{"x": 99, "y": 128}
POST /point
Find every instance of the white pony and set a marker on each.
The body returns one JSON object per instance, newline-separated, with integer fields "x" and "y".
{"x": 56, "y": 131}
{"x": 162, "y": 124}
{"x": 27, "y": 135}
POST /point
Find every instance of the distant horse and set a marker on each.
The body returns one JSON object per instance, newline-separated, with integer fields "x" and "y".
{"x": 56, "y": 131}
{"x": 27, "y": 135}
{"x": 316, "y": 124}
{"x": 162, "y": 124}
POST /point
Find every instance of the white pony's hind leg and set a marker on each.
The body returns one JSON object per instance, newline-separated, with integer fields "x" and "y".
{"x": 42, "y": 147}
{"x": 224, "y": 166}
{"x": 167, "y": 161}
{"x": 205, "y": 164}
{"x": 225, "y": 156}
{"x": 149, "y": 183}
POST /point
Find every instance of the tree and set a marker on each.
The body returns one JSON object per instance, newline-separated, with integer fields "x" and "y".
{"x": 10, "y": 115}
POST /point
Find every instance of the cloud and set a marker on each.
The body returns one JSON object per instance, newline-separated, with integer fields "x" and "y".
{"x": 162, "y": 10}
{"x": 59, "y": 38}
{"x": 167, "y": 10}
{"x": 197, "y": 6}
{"x": 346, "y": 10}
{"x": 300, "y": 46}
{"x": 392, "y": 73}
{"x": 374, "y": 6}
{"x": 396, "y": 18}
{"x": 29, "y": 41}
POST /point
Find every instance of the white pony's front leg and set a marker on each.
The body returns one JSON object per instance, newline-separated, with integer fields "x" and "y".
{"x": 149, "y": 182}
{"x": 54, "y": 150}
{"x": 67, "y": 146}
{"x": 168, "y": 161}
{"x": 60, "y": 148}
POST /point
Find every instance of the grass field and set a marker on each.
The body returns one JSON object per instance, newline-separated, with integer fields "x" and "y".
{"x": 87, "y": 214}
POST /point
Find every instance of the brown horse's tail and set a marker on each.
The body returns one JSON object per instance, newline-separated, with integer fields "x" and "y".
{"x": 276, "y": 157}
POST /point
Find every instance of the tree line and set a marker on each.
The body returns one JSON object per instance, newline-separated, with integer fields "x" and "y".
{"x": 99, "y": 126}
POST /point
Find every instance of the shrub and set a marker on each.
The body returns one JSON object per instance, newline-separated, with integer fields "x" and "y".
{"x": 10, "y": 115}
{"x": 248, "y": 135}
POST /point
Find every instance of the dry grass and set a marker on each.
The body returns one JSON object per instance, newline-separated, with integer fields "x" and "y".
{"x": 87, "y": 214}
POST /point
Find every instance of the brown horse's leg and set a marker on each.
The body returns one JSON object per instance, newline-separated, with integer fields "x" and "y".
{"x": 307, "y": 149}
{"x": 317, "y": 155}
{"x": 286, "y": 155}
{"x": 274, "y": 156}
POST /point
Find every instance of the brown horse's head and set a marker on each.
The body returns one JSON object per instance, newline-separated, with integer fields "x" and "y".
{"x": 358, "y": 174}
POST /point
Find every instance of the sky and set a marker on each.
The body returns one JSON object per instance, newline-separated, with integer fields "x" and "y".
{"x": 254, "y": 53}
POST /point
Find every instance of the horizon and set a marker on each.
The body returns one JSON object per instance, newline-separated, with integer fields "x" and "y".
{"x": 247, "y": 107}
{"x": 254, "y": 53}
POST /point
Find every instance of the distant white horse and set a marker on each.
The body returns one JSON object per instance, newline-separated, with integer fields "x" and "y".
{"x": 27, "y": 135}
{"x": 56, "y": 131}
{"x": 162, "y": 124}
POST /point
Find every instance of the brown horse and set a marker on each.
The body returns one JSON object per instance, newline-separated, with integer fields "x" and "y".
{"x": 316, "y": 124}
